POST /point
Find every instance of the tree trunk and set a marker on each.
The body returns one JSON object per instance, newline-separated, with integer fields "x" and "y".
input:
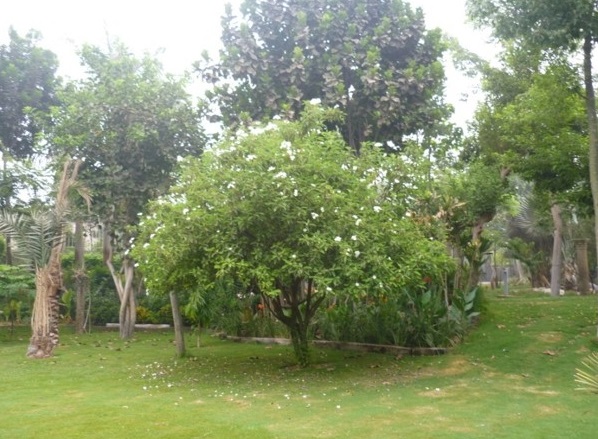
{"x": 557, "y": 251}
{"x": 81, "y": 278}
{"x": 592, "y": 127}
{"x": 475, "y": 263}
{"x": 295, "y": 308}
{"x": 7, "y": 206}
{"x": 583, "y": 271}
{"x": 179, "y": 336}
{"x": 48, "y": 280}
{"x": 123, "y": 282}
{"x": 300, "y": 344}
{"x": 45, "y": 314}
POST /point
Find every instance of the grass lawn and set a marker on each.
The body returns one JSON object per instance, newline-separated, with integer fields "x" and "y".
{"x": 512, "y": 378}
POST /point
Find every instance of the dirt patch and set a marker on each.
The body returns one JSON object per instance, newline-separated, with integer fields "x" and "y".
{"x": 457, "y": 366}
{"x": 550, "y": 337}
{"x": 422, "y": 410}
{"x": 536, "y": 391}
{"x": 547, "y": 410}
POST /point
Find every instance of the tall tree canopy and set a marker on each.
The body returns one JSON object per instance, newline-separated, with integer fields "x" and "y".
{"x": 374, "y": 60}
{"x": 567, "y": 25}
{"x": 27, "y": 82}
{"x": 130, "y": 124}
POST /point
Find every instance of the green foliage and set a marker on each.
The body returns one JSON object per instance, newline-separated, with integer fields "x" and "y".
{"x": 556, "y": 25}
{"x": 290, "y": 213}
{"x": 67, "y": 302}
{"x": 17, "y": 290}
{"x": 27, "y": 89}
{"x": 34, "y": 233}
{"x": 411, "y": 319}
{"x": 104, "y": 304}
{"x": 375, "y": 60}
{"x": 129, "y": 122}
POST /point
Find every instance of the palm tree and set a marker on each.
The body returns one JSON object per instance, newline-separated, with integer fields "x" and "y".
{"x": 39, "y": 239}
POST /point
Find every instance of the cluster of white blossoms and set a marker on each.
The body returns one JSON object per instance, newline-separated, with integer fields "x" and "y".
{"x": 288, "y": 147}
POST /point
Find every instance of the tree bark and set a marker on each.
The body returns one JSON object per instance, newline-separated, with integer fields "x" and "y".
{"x": 592, "y": 127}
{"x": 557, "y": 250}
{"x": 295, "y": 308}
{"x": 583, "y": 271}
{"x": 81, "y": 278}
{"x": 123, "y": 282}
{"x": 48, "y": 279}
{"x": 45, "y": 313}
{"x": 179, "y": 336}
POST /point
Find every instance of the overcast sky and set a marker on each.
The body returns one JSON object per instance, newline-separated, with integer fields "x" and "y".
{"x": 177, "y": 31}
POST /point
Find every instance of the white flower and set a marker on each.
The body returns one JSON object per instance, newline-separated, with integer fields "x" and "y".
{"x": 338, "y": 239}
{"x": 391, "y": 145}
{"x": 185, "y": 211}
{"x": 321, "y": 209}
{"x": 281, "y": 174}
{"x": 378, "y": 144}
{"x": 276, "y": 117}
{"x": 354, "y": 238}
{"x": 152, "y": 236}
{"x": 146, "y": 245}
{"x": 357, "y": 253}
{"x": 328, "y": 289}
{"x": 294, "y": 256}
{"x": 358, "y": 221}
{"x": 251, "y": 157}
{"x": 377, "y": 209}
{"x": 315, "y": 101}
{"x": 271, "y": 168}
{"x": 356, "y": 284}
{"x": 295, "y": 193}
{"x": 314, "y": 215}
{"x": 351, "y": 91}
{"x": 231, "y": 185}
{"x": 285, "y": 144}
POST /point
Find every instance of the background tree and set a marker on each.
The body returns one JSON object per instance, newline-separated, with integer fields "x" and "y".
{"x": 374, "y": 60}
{"x": 568, "y": 25}
{"x": 290, "y": 214}
{"x": 27, "y": 90}
{"x": 130, "y": 124}
{"x": 533, "y": 123}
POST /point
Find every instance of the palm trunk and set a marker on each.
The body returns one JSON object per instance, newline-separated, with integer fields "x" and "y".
{"x": 81, "y": 278}
{"x": 48, "y": 280}
{"x": 45, "y": 315}
{"x": 557, "y": 247}
{"x": 592, "y": 127}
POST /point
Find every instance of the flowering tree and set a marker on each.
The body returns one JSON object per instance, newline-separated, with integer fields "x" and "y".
{"x": 288, "y": 211}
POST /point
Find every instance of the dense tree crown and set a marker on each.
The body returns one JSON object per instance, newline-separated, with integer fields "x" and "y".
{"x": 27, "y": 82}
{"x": 374, "y": 60}
{"x": 130, "y": 123}
{"x": 289, "y": 213}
